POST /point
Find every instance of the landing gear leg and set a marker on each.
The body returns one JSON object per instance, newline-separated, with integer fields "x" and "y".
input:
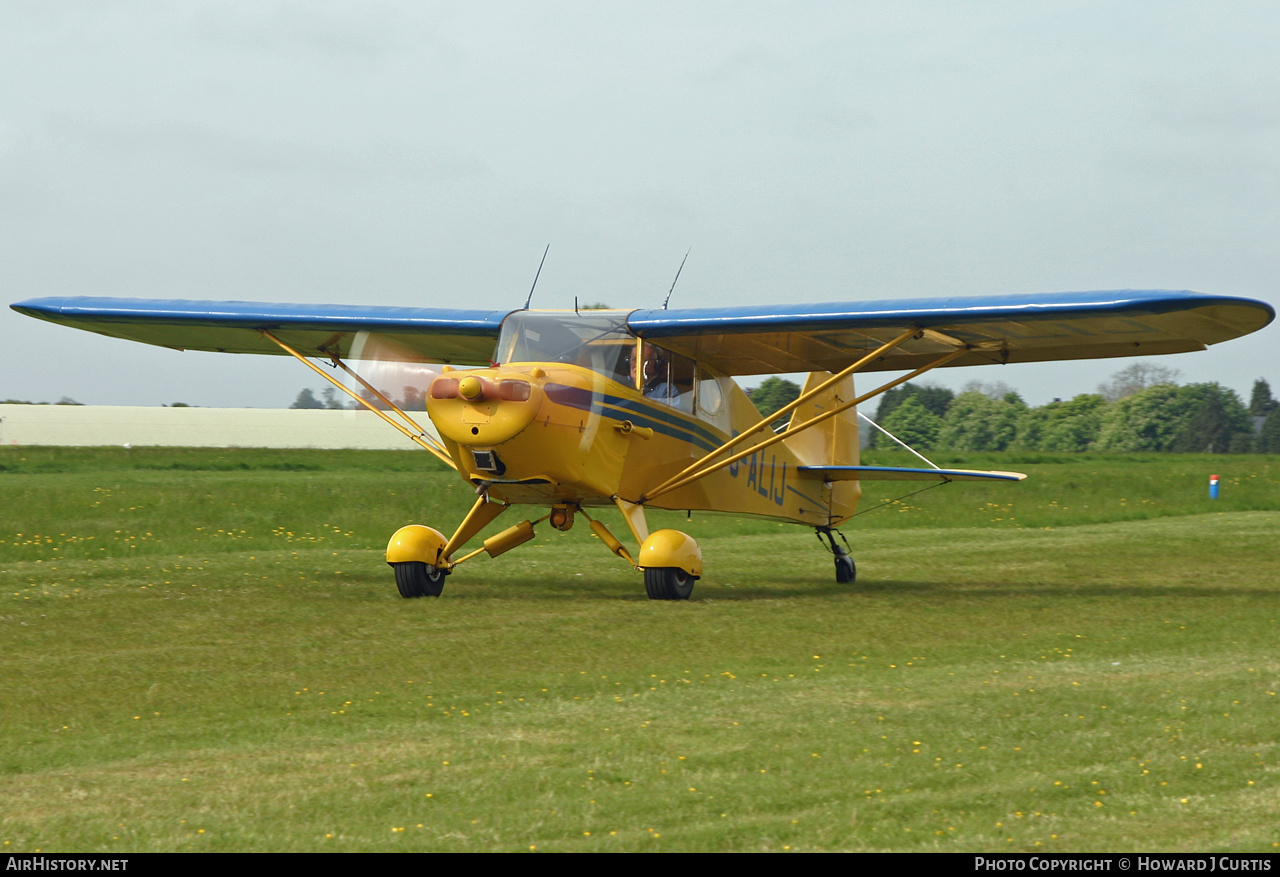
{"x": 846, "y": 570}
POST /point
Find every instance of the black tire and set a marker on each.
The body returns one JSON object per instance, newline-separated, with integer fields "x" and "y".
{"x": 668, "y": 583}
{"x": 417, "y": 579}
{"x": 846, "y": 571}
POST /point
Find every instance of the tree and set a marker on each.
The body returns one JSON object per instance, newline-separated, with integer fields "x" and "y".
{"x": 307, "y": 399}
{"x": 935, "y": 399}
{"x": 1269, "y": 439}
{"x": 914, "y": 424}
{"x": 1216, "y": 422}
{"x": 772, "y": 394}
{"x": 1136, "y": 378}
{"x": 1062, "y": 426}
{"x": 1145, "y": 421}
{"x": 413, "y": 399}
{"x": 1262, "y": 403}
{"x": 990, "y": 389}
{"x": 331, "y": 400}
{"x": 1197, "y": 418}
{"x": 977, "y": 422}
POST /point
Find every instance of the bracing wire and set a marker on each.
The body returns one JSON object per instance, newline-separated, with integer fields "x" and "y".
{"x": 899, "y": 499}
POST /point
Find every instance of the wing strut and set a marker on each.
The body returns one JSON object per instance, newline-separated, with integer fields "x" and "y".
{"x": 420, "y": 438}
{"x": 786, "y": 409}
{"x": 678, "y": 481}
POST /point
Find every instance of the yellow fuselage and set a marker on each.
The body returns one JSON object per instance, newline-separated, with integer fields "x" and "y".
{"x": 564, "y": 434}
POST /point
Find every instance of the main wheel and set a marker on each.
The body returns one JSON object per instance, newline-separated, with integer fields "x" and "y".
{"x": 417, "y": 579}
{"x": 846, "y": 571}
{"x": 667, "y": 583}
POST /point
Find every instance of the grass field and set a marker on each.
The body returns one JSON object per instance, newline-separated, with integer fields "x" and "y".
{"x": 203, "y": 650}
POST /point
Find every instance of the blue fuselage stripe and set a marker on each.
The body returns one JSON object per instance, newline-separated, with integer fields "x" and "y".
{"x": 819, "y": 503}
{"x": 645, "y": 409}
{"x": 644, "y": 414}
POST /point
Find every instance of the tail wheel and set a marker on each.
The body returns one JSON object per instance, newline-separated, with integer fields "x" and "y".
{"x": 417, "y": 579}
{"x": 846, "y": 571}
{"x": 668, "y": 583}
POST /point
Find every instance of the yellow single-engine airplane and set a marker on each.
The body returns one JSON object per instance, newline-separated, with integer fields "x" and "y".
{"x": 571, "y": 411}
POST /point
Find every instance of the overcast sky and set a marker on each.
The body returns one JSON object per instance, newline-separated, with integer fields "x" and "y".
{"x": 425, "y": 153}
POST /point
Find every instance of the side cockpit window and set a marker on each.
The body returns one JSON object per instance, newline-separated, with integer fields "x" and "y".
{"x": 667, "y": 377}
{"x": 710, "y": 394}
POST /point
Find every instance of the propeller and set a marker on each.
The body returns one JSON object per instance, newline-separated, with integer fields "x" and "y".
{"x": 397, "y": 373}
{"x": 395, "y": 370}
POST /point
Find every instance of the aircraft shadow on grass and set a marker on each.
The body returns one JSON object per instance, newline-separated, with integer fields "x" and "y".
{"x": 553, "y": 588}
{"x": 1013, "y": 590}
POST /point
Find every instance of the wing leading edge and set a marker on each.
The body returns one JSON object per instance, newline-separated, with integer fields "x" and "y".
{"x": 463, "y": 337}
{"x": 998, "y": 329}
{"x": 738, "y": 341}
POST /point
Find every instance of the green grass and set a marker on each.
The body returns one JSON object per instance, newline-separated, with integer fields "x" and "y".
{"x": 203, "y": 650}
{"x": 1069, "y": 489}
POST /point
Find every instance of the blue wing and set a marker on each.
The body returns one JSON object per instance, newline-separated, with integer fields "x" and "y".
{"x": 463, "y": 337}
{"x": 998, "y": 329}
{"x": 737, "y": 341}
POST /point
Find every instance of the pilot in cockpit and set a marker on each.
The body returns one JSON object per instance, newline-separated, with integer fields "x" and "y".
{"x": 658, "y": 381}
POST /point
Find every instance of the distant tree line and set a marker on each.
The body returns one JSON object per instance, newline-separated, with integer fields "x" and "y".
{"x": 329, "y": 399}
{"x": 67, "y": 400}
{"x": 1141, "y": 408}
{"x": 408, "y": 399}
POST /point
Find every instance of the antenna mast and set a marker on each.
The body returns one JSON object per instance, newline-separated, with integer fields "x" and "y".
{"x": 539, "y": 274}
{"x": 673, "y": 283}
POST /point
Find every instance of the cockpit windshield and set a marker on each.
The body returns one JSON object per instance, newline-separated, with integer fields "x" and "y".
{"x": 597, "y": 339}
{"x": 600, "y": 341}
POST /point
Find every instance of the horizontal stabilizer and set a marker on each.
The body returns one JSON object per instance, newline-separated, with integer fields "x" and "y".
{"x": 892, "y": 473}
